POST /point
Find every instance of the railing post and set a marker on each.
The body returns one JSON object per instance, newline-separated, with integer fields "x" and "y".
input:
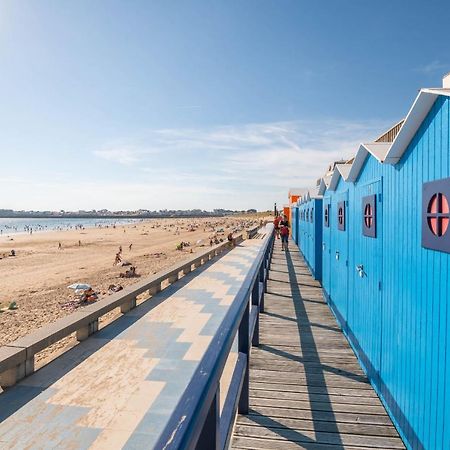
{"x": 209, "y": 437}
{"x": 173, "y": 278}
{"x": 128, "y": 306}
{"x": 154, "y": 289}
{"x": 262, "y": 279}
{"x": 244, "y": 347}
{"x": 255, "y": 303}
{"x": 84, "y": 332}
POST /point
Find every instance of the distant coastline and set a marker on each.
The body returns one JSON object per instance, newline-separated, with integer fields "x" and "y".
{"x": 104, "y": 214}
{"x": 111, "y": 216}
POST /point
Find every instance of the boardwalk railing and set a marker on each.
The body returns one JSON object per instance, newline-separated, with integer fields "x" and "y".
{"x": 17, "y": 358}
{"x": 197, "y": 423}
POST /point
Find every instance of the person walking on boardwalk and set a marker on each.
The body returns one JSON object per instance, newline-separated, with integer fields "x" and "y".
{"x": 276, "y": 224}
{"x": 284, "y": 231}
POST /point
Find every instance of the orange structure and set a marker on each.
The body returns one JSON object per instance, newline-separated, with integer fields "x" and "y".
{"x": 293, "y": 195}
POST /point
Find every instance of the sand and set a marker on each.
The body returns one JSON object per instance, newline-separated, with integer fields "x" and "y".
{"x": 38, "y": 276}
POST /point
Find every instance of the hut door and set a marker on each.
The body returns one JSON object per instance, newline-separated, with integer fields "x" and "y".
{"x": 326, "y": 245}
{"x": 365, "y": 320}
{"x": 339, "y": 255}
{"x": 297, "y": 225}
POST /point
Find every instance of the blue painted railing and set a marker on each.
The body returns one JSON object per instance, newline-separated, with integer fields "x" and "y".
{"x": 196, "y": 423}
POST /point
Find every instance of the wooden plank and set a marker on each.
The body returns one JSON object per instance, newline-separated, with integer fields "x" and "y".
{"x": 241, "y": 443}
{"x": 314, "y": 389}
{"x": 313, "y": 379}
{"x": 307, "y": 436}
{"x": 328, "y": 365}
{"x": 306, "y": 396}
{"x": 304, "y": 424}
{"x": 322, "y": 416}
{"x": 326, "y": 405}
{"x": 298, "y": 368}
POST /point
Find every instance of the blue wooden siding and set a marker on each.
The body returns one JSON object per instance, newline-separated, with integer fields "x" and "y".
{"x": 317, "y": 238}
{"x": 309, "y": 226}
{"x": 326, "y": 246}
{"x": 397, "y": 313}
{"x": 294, "y": 224}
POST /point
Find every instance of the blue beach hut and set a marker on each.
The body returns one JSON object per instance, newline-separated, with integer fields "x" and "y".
{"x": 312, "y": 245}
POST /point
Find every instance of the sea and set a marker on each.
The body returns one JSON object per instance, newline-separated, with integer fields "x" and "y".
{"x": 10, "y": 226}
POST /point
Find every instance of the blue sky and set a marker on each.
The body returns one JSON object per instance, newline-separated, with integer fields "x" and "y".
{"x": 200, "y": 104}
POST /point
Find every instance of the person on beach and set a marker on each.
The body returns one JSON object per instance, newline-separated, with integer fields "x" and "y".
{"x": 276, "y": 224}
{"x": 131, "y": 245}
{"x": 59, "y": 246}
{"x": 118, "y": 259}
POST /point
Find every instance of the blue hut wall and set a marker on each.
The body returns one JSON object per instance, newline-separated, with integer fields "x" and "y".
{"x": 364, "y": 313}
{"x": 294, "y": 224}
{"x": 299, "y": 225}
{"x": 389, "y": 293}
{"x": 317, "y": 238}
{"x": 303, "y": 230}
{"x": 326, "y": 244}
{"x": 338, "y": 294}
{"x": 310, "y": 235}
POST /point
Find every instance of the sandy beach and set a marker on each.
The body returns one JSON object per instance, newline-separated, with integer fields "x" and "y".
{"x": 37, "y": 278}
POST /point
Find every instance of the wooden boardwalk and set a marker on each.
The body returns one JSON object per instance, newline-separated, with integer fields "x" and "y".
{"x": 307, "y": 389}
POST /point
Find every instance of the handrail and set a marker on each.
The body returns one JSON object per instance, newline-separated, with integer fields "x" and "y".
{"x": 17, "y": 358}
{"x": 196, "y": 422}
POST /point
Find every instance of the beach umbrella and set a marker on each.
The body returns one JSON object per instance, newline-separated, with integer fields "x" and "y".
{"x": 79, "y": 286}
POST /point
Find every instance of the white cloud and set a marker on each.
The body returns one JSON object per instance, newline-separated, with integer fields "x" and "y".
{"x": 237, "y": 167}
{"x": 249, "y": 165}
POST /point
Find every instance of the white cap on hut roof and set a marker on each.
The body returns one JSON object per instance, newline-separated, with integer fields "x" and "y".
{"x": 340, "y": 170}
{"x": 377, "y": 149}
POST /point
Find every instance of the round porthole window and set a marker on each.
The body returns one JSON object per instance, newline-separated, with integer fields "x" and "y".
{"x": 368, "y": 215}
{"x": 438, "y": 214}
{"x": 341, "y": 215}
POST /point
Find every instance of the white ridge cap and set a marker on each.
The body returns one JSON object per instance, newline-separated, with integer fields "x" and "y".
{"x": 377, "y": 149}
{"x": 416, "y": 115}
{"x": 341, "y": 170}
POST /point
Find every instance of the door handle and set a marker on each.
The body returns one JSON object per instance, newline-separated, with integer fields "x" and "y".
{"x": 360, "y": 270}
{"x": 337, "y": 256}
